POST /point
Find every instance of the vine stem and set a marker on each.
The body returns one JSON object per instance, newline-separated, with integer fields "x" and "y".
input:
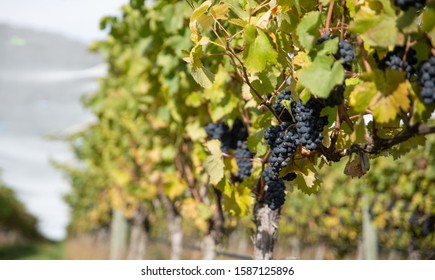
{"x": 364, "y": 54}
{"x": 380, "y": 144}
{"x": 343, "y": 18}
{"x": 329, "y": 16}
{"x": 244, "y": 75}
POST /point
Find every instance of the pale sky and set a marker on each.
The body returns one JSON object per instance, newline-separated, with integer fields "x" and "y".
{"x": 78, "y": 19}
{"x": 30, "y": 100}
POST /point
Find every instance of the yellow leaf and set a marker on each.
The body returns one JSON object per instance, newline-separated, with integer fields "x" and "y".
{"x": 220, "y": 11}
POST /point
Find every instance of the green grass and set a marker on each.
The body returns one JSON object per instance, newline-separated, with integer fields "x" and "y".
{"x": 33, "y": 251}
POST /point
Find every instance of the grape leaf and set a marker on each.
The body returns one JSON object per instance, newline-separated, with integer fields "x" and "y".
{"x": 220, "y": 11}
{"x": 321, "y": 76}
{"x": 258, "y": 50}
{"x": 195, "y": 131}
{"x": 307, "y": 29}
{"x": 256, "y": 143}
{"x": 214, "y": 164}
{"x": 240, "y": 201}
{"x": 376, "y": 29}
{"x": 202, "y": 76}
{"x": 199, "y": 17}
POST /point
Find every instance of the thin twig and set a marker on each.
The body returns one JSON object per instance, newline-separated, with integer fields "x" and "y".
{"x": 364, "y": 54}
{"x": 329, "y": 16}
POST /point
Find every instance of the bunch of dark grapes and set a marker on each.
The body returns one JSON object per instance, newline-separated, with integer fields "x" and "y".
{"x": 426, "y": 78}
{"x": 233, "y": 139}
{"x": 283, "y": 142}
{"x": 404, "y": 5}
{"x": 284, "y": 139}
{"x": 394, "y": 60}
{"x": 220, "y": 131}
{"x": 309, "y": 123}
{"x": 243, "y": 160}
{"x": 274, "y": 196}
{"x": 346, "y": 52}
{"x": 239, "y": 132}
{"x": 279, "y": 109}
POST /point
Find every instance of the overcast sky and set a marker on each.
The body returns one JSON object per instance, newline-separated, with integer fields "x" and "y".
{"x": 78, "y": 19}
{"x": 42, "y": 77}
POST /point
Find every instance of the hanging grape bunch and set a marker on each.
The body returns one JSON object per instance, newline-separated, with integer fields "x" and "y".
{"x": 426, "y": 79}
{"x": 406, "y": 4}
{"x": 233, "y": 139}
{"x": 395, "y": 61}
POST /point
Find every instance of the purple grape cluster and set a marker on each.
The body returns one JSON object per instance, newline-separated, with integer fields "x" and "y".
{"x": 309, "y": 123}
{"x": 220, "y": 131}
{"x": 426, "y": 79}
{"x": 229, "y": 138}
{"x": 279, "y": 109}
{"x": 306, "y": 130}
{"x": 404, "y": 5}
{"x": 346, "y": 52}
{"x": 394, "y": 60}
{"x": 283, "y": 141}
{"x": 243, "y": 160}
{"x": 274, "y": 196}
{"x": 233, "y": 139}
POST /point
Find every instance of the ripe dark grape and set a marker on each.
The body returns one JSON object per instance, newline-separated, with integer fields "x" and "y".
{"x": 221, "y": 132}
{"x": 243, "y": 160}
{"x": 228, "y": 138}
{"x": 285, "y": 138}
{"x": 239, "y": 132}
{"x": 426, "y": 79}
{"x": 274, "y": 196}
{"x": 394, "y": 60}
{"x": 283, "y": 141}
{"x": 279, "y": 109}
{"x": 406, "y": 4}
{"x": 324, "y": 38}
{"x": 309, "y": 123}
{"x": 345, "y": 53}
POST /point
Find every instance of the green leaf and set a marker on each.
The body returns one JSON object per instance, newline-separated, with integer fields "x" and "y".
{"x": 376, "y": 29}
{"x": 385, "y": 97}
{"x": 194, "y": 100}
{"x": 220, "y": 11}
{"x": 307, "y": 29}
{"x": 285, "y": 5}
{"x": 328, "y": 47}
{"x": 298, "y": 7}
{"x": 359, "y": 132}
{"x": 307, "y": 179}
{"x": 320, "y": 78}
{"x": 225, "y": 187}
{"x": 240, "y": 201}
{"x": 199, "y": 18}
{"x": 203, "y": 76}
{"x": 195, "y": 131}
{"x": 256, "y": 143}
{"x": 258, "y": 50}
{"x": 214, "y": 164}
{"x": 361, "y": 96}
